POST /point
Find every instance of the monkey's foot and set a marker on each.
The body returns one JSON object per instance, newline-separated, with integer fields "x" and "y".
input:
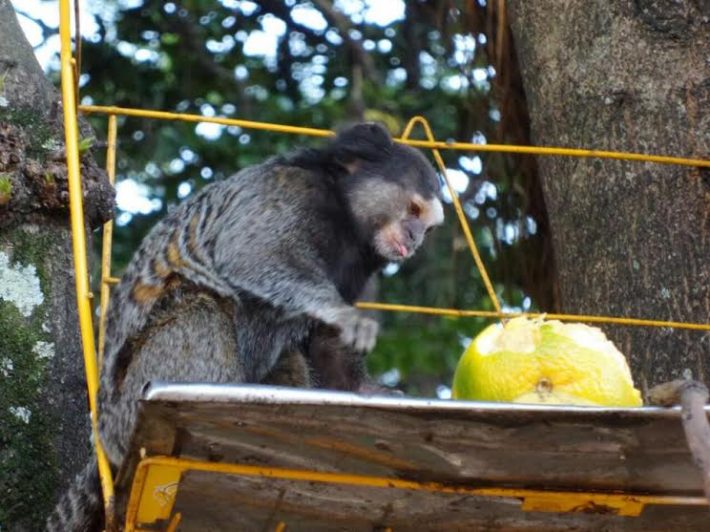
{"x": 372, "y": 388}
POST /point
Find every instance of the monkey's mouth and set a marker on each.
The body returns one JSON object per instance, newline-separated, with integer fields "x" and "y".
{"x": 400, "y": 251}
{"x": 391, "y": 246}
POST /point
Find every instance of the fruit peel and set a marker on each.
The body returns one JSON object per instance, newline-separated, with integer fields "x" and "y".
{"x": 538, "y": 361}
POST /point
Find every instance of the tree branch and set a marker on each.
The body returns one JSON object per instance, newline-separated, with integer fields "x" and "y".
{"x": 47, "y": 31}
{"x": 343, "y": 25}
{"x": 692, "y": 397}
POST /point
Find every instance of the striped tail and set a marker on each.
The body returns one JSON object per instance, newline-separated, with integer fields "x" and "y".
{"x": 81, "y": 508}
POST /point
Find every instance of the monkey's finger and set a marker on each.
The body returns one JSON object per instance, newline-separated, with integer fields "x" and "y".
{"x": 366, "y": 337}
{"x": 347, "y": 336}
{"x": 348, "y": 332}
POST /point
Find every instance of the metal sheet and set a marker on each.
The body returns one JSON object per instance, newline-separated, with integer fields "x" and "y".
{"x": 640, "y": 451}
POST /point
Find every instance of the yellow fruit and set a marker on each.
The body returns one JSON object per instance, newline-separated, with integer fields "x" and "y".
{"x": 537, "y": 361}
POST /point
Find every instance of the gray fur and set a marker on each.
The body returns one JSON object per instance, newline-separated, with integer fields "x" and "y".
{"x": 233, "y": 286}
{"x": 79, "y": 509}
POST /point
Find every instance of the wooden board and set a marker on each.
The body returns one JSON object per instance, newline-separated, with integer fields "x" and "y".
{"x": 637, "y": 451}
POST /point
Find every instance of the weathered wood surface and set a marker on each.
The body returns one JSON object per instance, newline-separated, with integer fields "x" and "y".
{"x": 637, "y": 451}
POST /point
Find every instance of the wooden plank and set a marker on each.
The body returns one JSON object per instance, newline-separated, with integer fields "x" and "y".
{"x": 640, "y": 451}
{"x": 222, "y": 503}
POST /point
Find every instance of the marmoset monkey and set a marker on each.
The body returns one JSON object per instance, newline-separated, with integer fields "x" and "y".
{"x": 239, "y": 283}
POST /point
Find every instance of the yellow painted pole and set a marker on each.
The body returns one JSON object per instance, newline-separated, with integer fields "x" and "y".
{"x": 458, "y": 313}
{"x": 564, "y": 152}
{"x": 76, "y": 207}
{"x": 184, "y": 117}
{"x": 174, "y": 522}
{"x": 441, "y": 145}
{"x": 465, "y": 227}
{"x": 107, "y": 240}
{"x": 83, "y": 295}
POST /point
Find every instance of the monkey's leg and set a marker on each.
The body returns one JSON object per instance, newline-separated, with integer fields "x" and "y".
{"x": 335, "y": 366}
{"x": 189, "y": 339}
{"x": 290, "y": 370}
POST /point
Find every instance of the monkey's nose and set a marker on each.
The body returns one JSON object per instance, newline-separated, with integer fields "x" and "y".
{"x": 411, "y": 237}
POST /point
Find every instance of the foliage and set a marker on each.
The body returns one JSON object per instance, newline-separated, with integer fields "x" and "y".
{"x": 316, "y": 64}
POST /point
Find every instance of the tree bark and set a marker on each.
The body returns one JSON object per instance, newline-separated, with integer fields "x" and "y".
{"x": 631, "y": 239}
{"x": 44, "y": 420}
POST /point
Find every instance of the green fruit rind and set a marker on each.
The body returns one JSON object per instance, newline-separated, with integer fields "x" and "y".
{"x": 571, "y": 373}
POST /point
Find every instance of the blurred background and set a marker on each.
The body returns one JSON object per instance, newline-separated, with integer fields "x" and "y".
{"x": 321, "y": 63}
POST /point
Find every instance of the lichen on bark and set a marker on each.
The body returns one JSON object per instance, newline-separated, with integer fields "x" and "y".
{"x": 28, "y": 460}
{"x": 44, "y": 421}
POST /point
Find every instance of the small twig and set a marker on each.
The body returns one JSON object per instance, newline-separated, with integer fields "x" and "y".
{"x": 343, "y": 24}
{"x": 46, "y": 30}
{"x": 692, "y": 397}
{"x": 77, "y": 42}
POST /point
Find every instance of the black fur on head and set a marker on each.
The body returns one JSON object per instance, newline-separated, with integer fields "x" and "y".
{"x": 361, "y": 142}
{"x": 386, "y": 192}
{"x": 367, "y": 150}
{"x": 391, "y": 189}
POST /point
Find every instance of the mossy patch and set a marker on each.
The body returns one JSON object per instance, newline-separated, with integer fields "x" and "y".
{"x": 5, "y": 189}
{"x": 40, "y": 136}
{"x": 28, "y": 464}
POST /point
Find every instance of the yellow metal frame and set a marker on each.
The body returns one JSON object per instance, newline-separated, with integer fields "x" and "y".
{"x": 81, "y": 272}
{"x": 435, "y": 146}
{"x": 157, "y": 478}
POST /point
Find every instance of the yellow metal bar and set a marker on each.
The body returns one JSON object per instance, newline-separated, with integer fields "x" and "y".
{"x": 108, "y": 238}
{"x": 565, "y": 152}
{"x": 461, "y": 146}
{"x": 135, "y": 498}
{"x": 459, "y": 210}
{"x": 174, "y": 522}
{"x": 624, "y": 503}
{"x": 572, "y": 502}
{"x": 83, "y": 296}
{"x": 152, "y": 495}
{"x": 390, "y": 307}
{"x": 75, "y": 203}
{"x": 247, "y": 124}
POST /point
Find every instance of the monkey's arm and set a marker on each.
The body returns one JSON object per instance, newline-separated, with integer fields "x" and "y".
{"x": 335, "y": 366}
{"x": 307, "y": 291}
{"x": 272, "y": 253}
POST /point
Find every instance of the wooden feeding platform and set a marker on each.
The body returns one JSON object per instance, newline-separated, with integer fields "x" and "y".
{"x": 239, "y": 457}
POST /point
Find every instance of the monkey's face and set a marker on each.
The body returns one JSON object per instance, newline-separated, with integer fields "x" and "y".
{"x": 394, "y": 214}
{"x": 402, "y": 234}
{"x": 392, "y": 189}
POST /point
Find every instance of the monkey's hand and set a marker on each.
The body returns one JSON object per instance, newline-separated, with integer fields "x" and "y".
{"x": 356, "y": 331}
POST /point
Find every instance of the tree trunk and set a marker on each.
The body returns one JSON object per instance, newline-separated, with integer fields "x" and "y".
{"x": 631, "y": 239}
{"x": 44, "y": 420}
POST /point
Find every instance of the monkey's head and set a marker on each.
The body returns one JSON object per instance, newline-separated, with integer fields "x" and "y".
{"x": 392, "y": 190}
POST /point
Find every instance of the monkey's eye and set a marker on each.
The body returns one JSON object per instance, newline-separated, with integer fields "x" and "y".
{"x": 429, "y": 229}
{"x": 415, "y": 209}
